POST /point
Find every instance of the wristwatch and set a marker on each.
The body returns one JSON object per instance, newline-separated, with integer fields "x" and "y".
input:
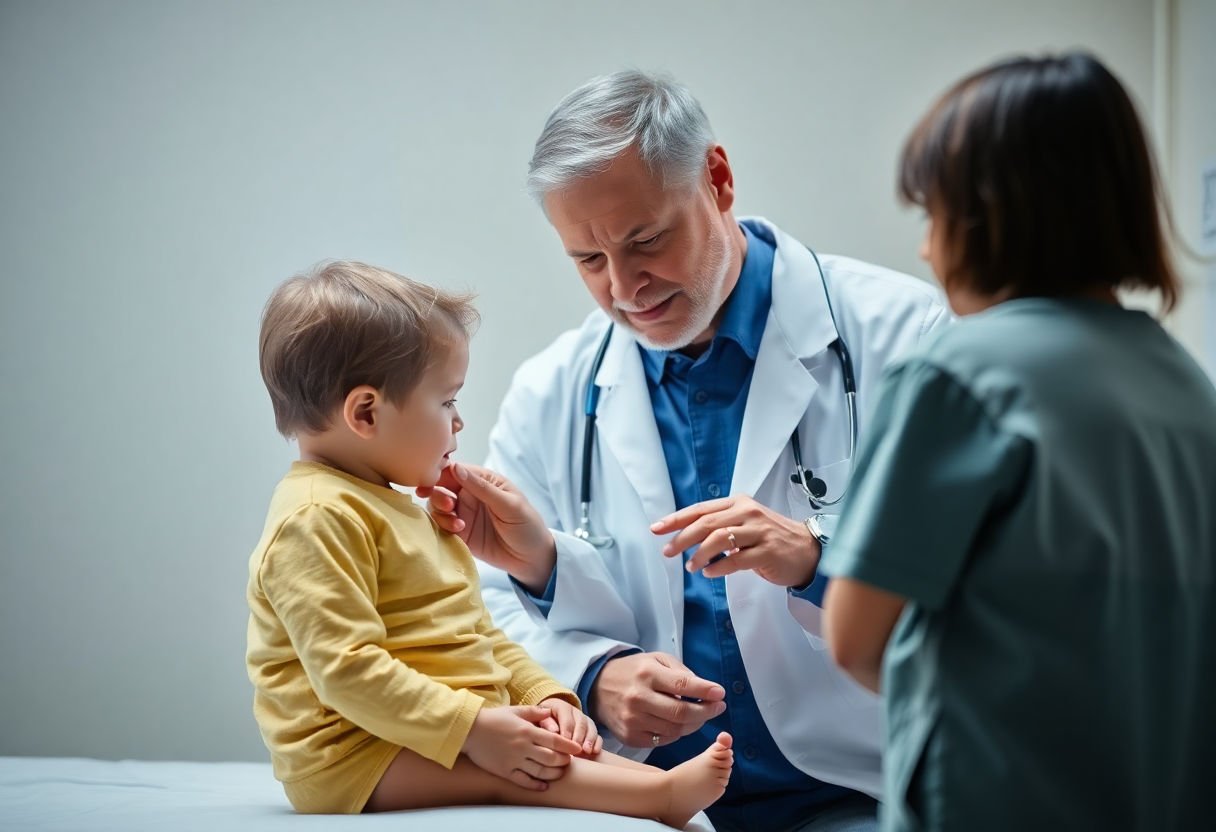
{"x": 816, "y": 530}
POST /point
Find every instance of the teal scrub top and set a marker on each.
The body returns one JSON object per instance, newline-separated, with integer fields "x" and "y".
{"x": 1039, "y": 481}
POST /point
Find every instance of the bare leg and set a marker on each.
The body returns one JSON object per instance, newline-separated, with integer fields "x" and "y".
{"x": 610, "y": 759}
{"x": 673, "y": 797}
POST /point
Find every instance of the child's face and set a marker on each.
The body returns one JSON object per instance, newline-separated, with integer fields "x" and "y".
{"x": 415, "y": 439}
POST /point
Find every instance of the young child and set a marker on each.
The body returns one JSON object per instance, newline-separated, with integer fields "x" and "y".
{"x": 380, "y": 681}
{"x": 1034, "y": 504}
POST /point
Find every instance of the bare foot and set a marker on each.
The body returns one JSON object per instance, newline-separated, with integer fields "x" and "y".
{"x": 699, "y": 782}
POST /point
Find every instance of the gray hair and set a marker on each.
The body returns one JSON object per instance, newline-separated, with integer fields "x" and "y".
{"x": 606, "y": 116}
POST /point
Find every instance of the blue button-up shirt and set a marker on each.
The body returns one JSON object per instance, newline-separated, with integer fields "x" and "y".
{"x": 698, "y": 407}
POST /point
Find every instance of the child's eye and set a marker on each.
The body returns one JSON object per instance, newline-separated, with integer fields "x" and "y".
{"x": 450, "y": 403}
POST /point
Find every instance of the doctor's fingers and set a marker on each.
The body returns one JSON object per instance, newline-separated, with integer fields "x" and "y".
{"x": 442, "y": 504}
{"x": 495, "y": 493}
{"x": 685, "y": 516}
{"x": 642, "y": 731}
{"x": 644, "y": 714}
{"x": 697, "y": 531}
{"x": 681, "y": 717}
{"x": 681, "y": 702}
{"x": 490, "y": 486}
{"x": 670, "y": 681}
{"x": 690, "y": 717}
{"x": 729, "y": 541}
{"x": 741, "y": 562}
{"x": 439, "y": 499}
{"x": 447, "y": 521}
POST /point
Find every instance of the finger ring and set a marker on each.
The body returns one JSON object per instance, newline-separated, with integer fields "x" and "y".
{"x": 655, "y": 739}
{"x": 734, "y": 544}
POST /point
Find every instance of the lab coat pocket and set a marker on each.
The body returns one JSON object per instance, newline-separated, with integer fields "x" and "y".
{"x": 835, "y": 477}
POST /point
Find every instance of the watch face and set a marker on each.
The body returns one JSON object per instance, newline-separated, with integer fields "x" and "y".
{"x": 822, "y": 526}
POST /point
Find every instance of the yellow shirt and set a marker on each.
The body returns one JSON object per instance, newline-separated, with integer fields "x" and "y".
{"x": 367, "y": 621}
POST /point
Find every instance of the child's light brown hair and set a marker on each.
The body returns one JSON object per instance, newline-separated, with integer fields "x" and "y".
{"x": 345, "y": 324}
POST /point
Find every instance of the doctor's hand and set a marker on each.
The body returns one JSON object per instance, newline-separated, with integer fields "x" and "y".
{"x": 778, "y": 549}
{"x": 495, "y": 521}
{"x": 648, "y": 699}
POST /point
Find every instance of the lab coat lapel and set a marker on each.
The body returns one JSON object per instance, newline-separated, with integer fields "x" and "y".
{"x": 780, "y": 393}
{"x": 798, "y": 330}
{"x": 626, "y": 426}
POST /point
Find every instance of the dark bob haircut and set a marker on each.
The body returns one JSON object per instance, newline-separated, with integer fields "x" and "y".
{"x": 1038, "y": 175}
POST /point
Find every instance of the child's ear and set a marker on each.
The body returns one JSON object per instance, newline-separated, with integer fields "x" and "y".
{"x": 359, "y": 411}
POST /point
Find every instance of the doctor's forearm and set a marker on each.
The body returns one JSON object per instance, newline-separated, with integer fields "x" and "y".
{"x": 535, "y": 571}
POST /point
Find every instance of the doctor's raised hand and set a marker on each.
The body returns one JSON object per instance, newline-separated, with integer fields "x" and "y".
{"x": 751, "y": 535}
{"x": 496, "y": 522}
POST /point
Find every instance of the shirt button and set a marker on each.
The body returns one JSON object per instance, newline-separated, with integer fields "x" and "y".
{"x": 713, "y": 489}
{"x": 750, "y": 752}
{"x": 729, "y": 625}
{"x": 738, "y": 687}
{"x": 701, "y": 397}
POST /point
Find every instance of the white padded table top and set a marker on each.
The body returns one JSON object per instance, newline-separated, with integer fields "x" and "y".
{"x": 60, "y": 794}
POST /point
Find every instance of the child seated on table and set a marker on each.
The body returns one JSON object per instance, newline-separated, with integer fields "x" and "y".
{"x": 380, "y": 681}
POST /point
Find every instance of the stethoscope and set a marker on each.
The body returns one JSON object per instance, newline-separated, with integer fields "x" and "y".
{"x": 813, "y": 487}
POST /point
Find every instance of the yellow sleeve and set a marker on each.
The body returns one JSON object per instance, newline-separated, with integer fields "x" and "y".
{"x": 319, "y": 576}
{"x": 529, "y": 683}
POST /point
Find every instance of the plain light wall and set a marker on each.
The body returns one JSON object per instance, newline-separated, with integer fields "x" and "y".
{"x": 164, "y": 164}
{"x": 1191, "y": 141}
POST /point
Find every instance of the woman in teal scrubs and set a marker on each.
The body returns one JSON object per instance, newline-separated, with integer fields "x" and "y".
{"x": 1026, "y": 565}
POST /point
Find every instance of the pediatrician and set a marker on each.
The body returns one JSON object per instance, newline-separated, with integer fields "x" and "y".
{"x": 711, "y": 406}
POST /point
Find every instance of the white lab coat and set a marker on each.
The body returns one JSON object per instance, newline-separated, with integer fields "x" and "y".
{"x": 629, "y": 595}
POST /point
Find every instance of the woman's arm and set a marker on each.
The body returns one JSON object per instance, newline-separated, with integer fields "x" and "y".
{"x": 858, "y": 620}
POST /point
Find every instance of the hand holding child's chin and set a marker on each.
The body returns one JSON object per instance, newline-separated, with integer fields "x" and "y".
{"x": 495, "y": 521}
